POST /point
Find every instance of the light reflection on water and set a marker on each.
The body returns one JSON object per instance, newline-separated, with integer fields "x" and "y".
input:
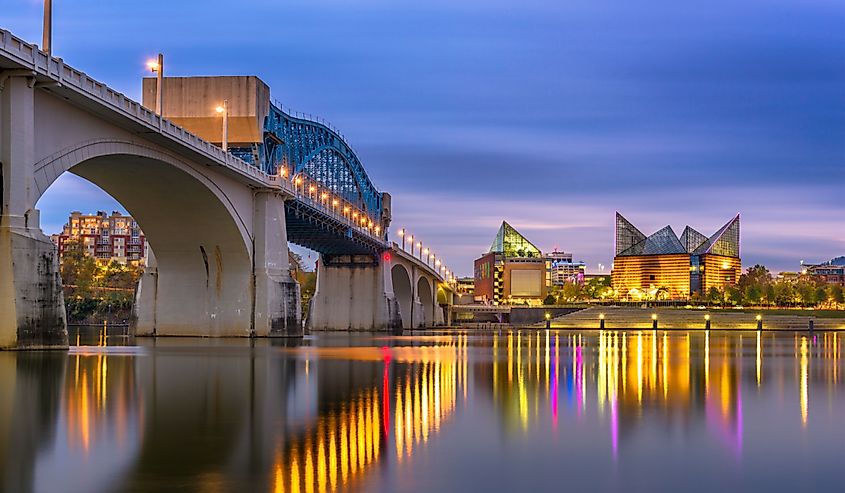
{"x": 508, "y": 411}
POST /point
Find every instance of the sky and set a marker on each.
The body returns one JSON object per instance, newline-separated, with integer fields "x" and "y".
{"x": 551, "y": 115}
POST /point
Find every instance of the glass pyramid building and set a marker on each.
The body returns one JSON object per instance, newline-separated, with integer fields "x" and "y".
{"x": 513, "y": 270}
{"x": 666, "y": 263}
{"x": 631, "y": 242}
{"x": 510, "y": 243}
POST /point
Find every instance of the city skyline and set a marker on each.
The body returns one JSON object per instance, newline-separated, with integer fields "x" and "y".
{"x": 526, "y": 115}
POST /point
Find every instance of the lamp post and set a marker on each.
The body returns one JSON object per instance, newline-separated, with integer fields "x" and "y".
{"x": 47, "y": 34}
{"x": 224, "y": 110}
{"x": 157, "y": 66}
{"x": 402, "y": 235}
{"x": 411, "y": 241}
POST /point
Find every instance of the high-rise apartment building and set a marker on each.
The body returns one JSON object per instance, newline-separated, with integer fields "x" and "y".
{"x": 105, "y": 237}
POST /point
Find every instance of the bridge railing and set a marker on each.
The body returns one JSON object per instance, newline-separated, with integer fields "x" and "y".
{"x": 312, "y": 193}
{"x": 427, "y": 257}
{"x": 30, "y": 56}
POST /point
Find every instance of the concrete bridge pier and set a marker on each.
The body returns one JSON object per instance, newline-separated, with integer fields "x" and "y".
{"x": 278, "y": 310}
{"x": 32, "y": 312}
{"x": 272, "y": 301}
{"x": 354, "y": 292}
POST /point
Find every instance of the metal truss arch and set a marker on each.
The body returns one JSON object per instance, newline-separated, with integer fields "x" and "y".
{"x": 306, "y": 146}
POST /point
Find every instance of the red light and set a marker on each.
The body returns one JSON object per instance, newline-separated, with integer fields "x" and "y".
{"x": 387, "y": 256}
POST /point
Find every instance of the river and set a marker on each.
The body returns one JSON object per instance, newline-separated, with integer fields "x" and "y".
{"x": 510, "y": 411}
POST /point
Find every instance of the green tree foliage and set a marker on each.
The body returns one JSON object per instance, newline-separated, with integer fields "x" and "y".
{"x": 78, "y": 270}
{"x": 714, "y": 295}
{"x": 753, "y": 294}
{"x": 571, "y": 292}
{"x": 598, "y": 287}
{"x": 837, "y": 294}
{"x": 94, "y": 291}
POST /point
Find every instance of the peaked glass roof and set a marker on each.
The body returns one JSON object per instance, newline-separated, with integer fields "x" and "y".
{"x": 630, "y": 241}
{"x": 723, "y": 242}
{"x": 511, "y": 243}
{"x": 692, "y": 239}
{"x": 662, "y": 242}
{"x": 626, "y": 234}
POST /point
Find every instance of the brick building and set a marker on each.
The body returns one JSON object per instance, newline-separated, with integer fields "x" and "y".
{"x": 105, "y": 237}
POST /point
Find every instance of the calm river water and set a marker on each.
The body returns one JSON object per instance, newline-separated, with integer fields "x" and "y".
{"x": 525, "y": 411}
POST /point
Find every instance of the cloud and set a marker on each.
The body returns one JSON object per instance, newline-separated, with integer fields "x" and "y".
{"x": 549, "y": 114}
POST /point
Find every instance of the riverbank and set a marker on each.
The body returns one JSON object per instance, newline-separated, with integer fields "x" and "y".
{"x": 680, "y": 318}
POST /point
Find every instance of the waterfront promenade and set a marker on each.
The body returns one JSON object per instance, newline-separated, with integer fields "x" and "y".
{"x": 680, "y": 318}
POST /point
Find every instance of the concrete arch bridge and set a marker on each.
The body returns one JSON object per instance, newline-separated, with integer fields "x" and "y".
{"x": 218, "y": 223}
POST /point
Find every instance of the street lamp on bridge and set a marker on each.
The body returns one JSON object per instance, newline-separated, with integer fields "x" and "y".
{"x": 224, "y": 110}
{"x": 47, "y": 34}
{"x": 157, "y": 66}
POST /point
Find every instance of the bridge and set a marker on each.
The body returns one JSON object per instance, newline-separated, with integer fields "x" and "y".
{"x": 218, "y": 221}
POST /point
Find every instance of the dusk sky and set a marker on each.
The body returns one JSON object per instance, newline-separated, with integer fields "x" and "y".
{"x": 551, "y": 115}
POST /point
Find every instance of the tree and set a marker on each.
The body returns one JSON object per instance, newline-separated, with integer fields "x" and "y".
{"x": 733, "y": 294}
{"x": 837, "y": 294}
{"x": 597, "y": 287}
{"x": 78, "y": 269}
{"x": 784, "y": 293}
{"x": 755, "y": 276}
{"x": 714, "y": 295}
{"x": 769, "y": 294}
{"x": 661, "y": 293}
{"x": 549, "y": 299}
{"x": 821, "y": 294}
{"x": 753, "y": 294}
{"x": 571, "y": 292}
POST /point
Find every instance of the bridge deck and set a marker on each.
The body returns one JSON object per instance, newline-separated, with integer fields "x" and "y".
{"x": 313, "y": 225}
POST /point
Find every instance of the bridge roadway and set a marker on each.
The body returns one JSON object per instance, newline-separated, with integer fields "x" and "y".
{"x": 217, "y": 225}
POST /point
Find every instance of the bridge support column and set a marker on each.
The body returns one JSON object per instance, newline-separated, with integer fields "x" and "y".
{"x": 146, "y": 294}
{"x": 32, "y": 311}
{"x": 354, "y": 292}
{"x": 278, "y": 310}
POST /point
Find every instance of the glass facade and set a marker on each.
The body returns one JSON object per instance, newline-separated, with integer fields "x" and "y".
{"x": 514, "y": 270}
{"x": 664, "y": 264}
{"x": 626, "y": 235}
{"x": 510, "y": 243}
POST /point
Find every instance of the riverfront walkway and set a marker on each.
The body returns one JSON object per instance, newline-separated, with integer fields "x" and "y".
{"x": 678, "y": 318}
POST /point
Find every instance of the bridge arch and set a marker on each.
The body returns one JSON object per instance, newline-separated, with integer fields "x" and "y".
{"x": 196, "y": 226}
{"x": 402, "y": 289}
{"x": 426, "y": 298}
